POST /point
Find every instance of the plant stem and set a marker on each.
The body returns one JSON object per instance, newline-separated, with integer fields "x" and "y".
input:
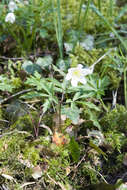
{"x": 105, "y": 108}
{"x": 85, "y": 14}
{"x": 111, "y": 7}
{"x": 79, "y": 13}
{"x": 99, "y": 5}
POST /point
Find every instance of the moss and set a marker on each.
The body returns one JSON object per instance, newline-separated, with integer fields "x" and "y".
{"x": 115, "y": 139}
{"x": 32, "y": 154}
{"x": 26, "y": 122}
{"x": 116, "y": 119}
{"x": 2, "y": 123}
{"x": 10, "y": 147}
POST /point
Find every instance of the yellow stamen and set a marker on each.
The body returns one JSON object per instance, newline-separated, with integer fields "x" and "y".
{"x": 76, "y": 73}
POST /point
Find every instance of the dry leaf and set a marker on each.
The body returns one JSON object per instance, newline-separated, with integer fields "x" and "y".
{"x": 5, "y": 147}
{"x": 68, "y": 171}
{"x": 8, "y": 177}
{"x": 37, "y": 172}
{"x": 59, "y": 139}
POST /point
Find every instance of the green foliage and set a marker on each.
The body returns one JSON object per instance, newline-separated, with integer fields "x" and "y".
{"x": 30, "y": 67}
{"x": 6, "y": 84}
{"x": 24, "y": 123}
{"x": 122, "y": 187}
{"x": 74, "y": 150}
{"x": 14, "y": 142}
{"x": 72, "y": 113}
{"x": 88, "y": 172}
{"x": 116, "y": 119}
{"x": 15, "y": 110}
{"x": 44, "y": 62}
{"x": 92, "y": 116}
{"x": 82, "y": 32}
{"x": 32, "y": 154}
{"x": 115, "y": 139}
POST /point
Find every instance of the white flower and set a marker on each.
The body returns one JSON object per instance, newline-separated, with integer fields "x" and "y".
{"x": 78, "y": 74}
{"x": 12, "y": 6}
{"x": 10, "y": 18}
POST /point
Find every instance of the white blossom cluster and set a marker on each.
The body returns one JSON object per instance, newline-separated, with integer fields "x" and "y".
{"x": 10, "y": 17}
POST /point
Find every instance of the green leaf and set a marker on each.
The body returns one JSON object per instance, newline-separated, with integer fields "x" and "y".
{"x": 62, "y": 64}
{"x": 43, "y": 33}
{"x": 121, "y": 13}
{"x": 58, "y": 70}
{"x": 46, "y": 105}
{"x": 6, "y": 84}
{"x": 90, "y": 105}
{"x": 72, "y": 113}
{"x": 56, "y": 82}
{"x": 44, "y": 62}
{"x": 98, "y": 85}
{"x": 35, "y": 81}
{"x": 38, "y": 82}
{"x": 74, "y": 150}
{"x": 30, "y": 67}
{"x": 94, "y": 9}
{"x": 76, "y": 96}
{"x": 88, "y": 42}
{"x": 97, "y": 149}
{"x": 16, "y": 109}
{"x": 33, "y": 94}
{"x": 94, "y": 119}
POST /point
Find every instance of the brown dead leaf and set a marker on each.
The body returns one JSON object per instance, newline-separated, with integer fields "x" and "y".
{"x": 59, "y": 139}
{"x": 36, "y": 172}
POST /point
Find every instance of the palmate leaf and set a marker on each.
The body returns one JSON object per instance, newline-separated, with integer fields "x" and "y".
{"x": 95, "y": 87}
{"x": 98, "y": 85}
{"x": 46, "y": 105}
{"x": 44, "y": 62}
{"x": 30, "y": 67}
{"x": 89, "y": 105}
{"x": 72, "y": 113}
{"x": 38, "y": 82}
{"x": 94, "y": 119}
{"x": 34, "y": 94}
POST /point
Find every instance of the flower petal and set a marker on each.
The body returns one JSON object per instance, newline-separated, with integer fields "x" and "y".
{"x": 68, "y": 76}
{"x": 74, "y": 82}
{"x": 83, "y": 80}
{"x": 88, "y": 71}
{"x": 80, "y": 66}
{"x": 10, "y": 17}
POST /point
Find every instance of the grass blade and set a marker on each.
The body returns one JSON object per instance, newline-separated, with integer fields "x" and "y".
{"x": 109, "y": 26}
{"x": 58, "y": 26}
